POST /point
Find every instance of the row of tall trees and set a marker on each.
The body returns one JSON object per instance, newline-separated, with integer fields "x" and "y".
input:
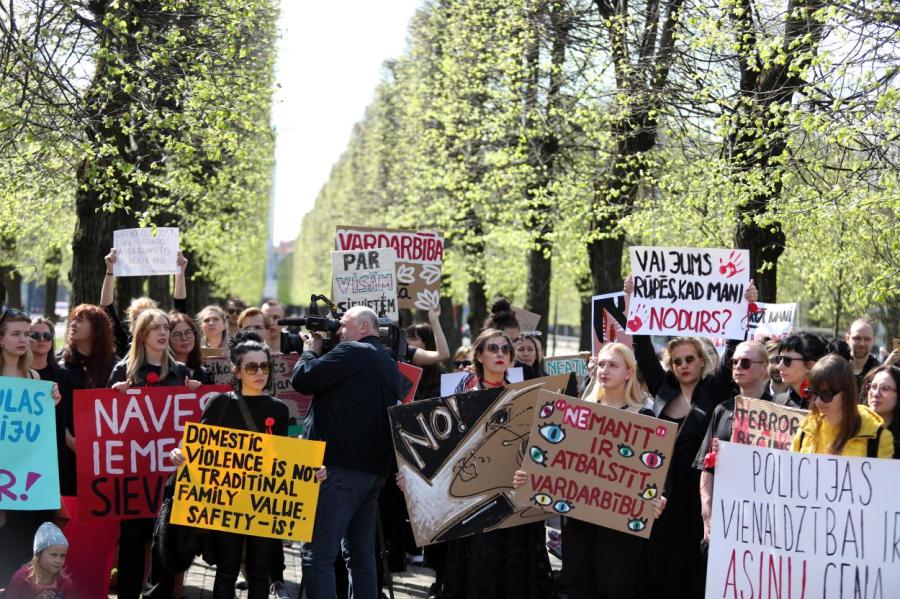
{"x": 125, "y": 113}
{"x": 543, "y": 137}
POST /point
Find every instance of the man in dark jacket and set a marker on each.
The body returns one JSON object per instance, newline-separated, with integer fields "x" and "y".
{"x": 352, "y": 387}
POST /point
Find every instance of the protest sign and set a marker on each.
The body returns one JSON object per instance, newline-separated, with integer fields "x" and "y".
{"x": 419, "y": 258}
{"x": 213, "y": 352}
{"x": 141, "y": 253}
{"x": 450, "y": 380}
{"x": 796, "y": 525}
{"x": 528, "y": 321}
{"x": 122, "y": 445}
{"x": 282, "y": 367}
{"x": 565, "y": 364}
{"x": 689, "y": 291}
{"x": 365, "y": 278}
{"x": 764, "y": 423}
{"x": 595, "y": 463}
{"x": 608, "y": 321}
{"x": 771, "y": 320}
{"x": 411, "y": 376}
{"x": 29, "y": 474}
{"x": 458, "y": 455}
{"x": 248, "y": 483}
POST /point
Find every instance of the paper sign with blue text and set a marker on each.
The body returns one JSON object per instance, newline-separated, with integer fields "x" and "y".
{"x": 365, "y": 278}
{"x": 143, "y": 252}
{"x": 29, "y": 474}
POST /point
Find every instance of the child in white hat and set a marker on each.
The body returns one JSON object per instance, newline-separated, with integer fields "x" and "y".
{"x": 43, "y": 576}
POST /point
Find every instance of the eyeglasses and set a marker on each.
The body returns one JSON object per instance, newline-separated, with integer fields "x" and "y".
{"x": 462, "y": 363}
{"x": 493, "y": 348}
{"x": 183, "y": 335}
{"x": 686, "y": 360}
{"x": 41, "y": 336}
{"x": 11, "y": 313}
{"x": 786, "y": 360}
{"x": 744, "y": 363}
{"x": 869, "y": 387}
{"x": 253, "y": 367}
{"x": 825, "y": 396}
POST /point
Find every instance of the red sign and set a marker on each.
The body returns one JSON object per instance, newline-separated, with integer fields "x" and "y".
{"x": 122, "y": 444}
{"x": 413, "y": 374}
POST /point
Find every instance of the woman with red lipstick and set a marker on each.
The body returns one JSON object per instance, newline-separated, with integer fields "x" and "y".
{"x": 687, "y": 397}
{"x": 149, "y": 362}
{"x": 492, "y": 355}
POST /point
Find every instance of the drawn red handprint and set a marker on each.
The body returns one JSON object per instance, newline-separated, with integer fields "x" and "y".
{"x": 732, "y": 267}
{"x": 634, "y": 324}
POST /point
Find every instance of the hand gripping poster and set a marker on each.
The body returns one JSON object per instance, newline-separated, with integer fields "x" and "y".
{"x": 458, "y": 455}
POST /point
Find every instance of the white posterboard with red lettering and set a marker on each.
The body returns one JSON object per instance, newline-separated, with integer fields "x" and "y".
{"x": 689, "y": 291}
{"x": 419, "y": 258}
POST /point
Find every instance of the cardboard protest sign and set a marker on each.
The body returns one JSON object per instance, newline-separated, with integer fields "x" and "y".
{"x": 411, "y": 375}
{"x": 528, "y": 321}
{"x": 763, "y": 423}
{"x": 576, "y": 364}
{"x": 595, "y": 463}
{"x": 796, "y": 525}
{"x": 366, "y": 278}
{"x": 608, "y": 321}
{"x": 771, "y": 320}
{"x": 419, "y": 258}
{"x": 29, "y": 473}
{"x": 458, "y": 455}
{"x": 213, "y": 352}
{"x": 282, "y": 367}
{"x": 450, "y": 380}
{"x": 141, "y": 253}
{"x": 248, "y": 483}
{"x": 122, "y": 445}
{"x": 689, "y": 291}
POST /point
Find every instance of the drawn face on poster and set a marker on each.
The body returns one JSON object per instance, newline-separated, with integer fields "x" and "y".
{"x": 419, "y": 258}
{"x": 458, "y": 455}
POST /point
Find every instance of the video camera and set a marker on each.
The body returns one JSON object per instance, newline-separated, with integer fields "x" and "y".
{"x": 389, "y": 332}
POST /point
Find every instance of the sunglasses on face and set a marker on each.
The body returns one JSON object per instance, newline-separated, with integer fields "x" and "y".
{"x": 180, "y": 335}
{"x": 744, "y": 363}
{"x": 462, "y": 363}
{"x": 493, "y": 348}
{"x": 41, "y": 336}
{"x": 786, "y": 360}
{"x": 14, "y": 314}
{"x": 869, "y": 387}
{"x": 253, "y": 367}
{"x": 825, "y": 396}
{"x": 686, "y": 360}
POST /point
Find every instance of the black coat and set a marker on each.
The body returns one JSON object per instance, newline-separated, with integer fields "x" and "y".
{"x": 178, "y": 372}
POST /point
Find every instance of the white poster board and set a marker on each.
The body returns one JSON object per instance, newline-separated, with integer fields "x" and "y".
{"x": 140, "y": 253}
{"x": 689, "y": 291}
{"x": 803, "y": 525}
{"x": 365, "y": 278}
{"x": 772, "y": 320}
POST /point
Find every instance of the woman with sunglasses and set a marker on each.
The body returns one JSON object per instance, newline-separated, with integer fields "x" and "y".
{"x": 184, "y": 343}
{"x": 530, "y": 356}
{"x": 17, "y": 528}
{"x": 252, "y": 365}
{"x": 880, "y": 389}
{"x": 42, "y": 335}
{"x": 149, "y": 362}
{"x": 796, "y": 356}
{"x": 683, "y": 394}
{"x": 837, "y": 424}
{"x": 492, "y": 355}
{"x": 88, "y": 357}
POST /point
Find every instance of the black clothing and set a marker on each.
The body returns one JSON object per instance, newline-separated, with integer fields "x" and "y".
{"x": 352, "y": 386}
{"x": 676, "y": 566}
{"x": 599, "y": 562}
{"x": 792, "y": 399}
{"x": 223, "y": 410}
{"x": 871, "y": 363}
{"x": 720, "y": 427}
{"x": 204, "y": 375}
{"x": 178, "y": 372}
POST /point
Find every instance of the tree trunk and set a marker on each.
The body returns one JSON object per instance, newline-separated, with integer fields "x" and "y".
{"x": 586, "y": 311}
{"x": 198, "y": 293}
{"x": 537, "y": 297}
{"x": 14, "y": 289}
{"x": 478, "y": 307}
{"x": 158, "y": 288}
{"x": 450, "y": 325}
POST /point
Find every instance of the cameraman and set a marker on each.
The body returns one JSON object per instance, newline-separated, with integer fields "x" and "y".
{"x": 352, "y": 386}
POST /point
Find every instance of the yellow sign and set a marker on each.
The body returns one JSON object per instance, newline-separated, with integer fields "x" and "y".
{"x": 248, "y": 483}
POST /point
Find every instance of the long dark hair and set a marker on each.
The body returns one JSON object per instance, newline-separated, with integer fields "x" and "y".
{"x": 431, "y": 374}
{"x": 502, "y": 316}
{"x": 194, "y": 358}
{"x": 98, "y": 365}
{"x": 242, "y": 343}
{"x": 835, "y": 374}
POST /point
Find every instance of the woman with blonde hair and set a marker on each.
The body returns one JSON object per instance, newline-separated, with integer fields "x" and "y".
{"x": 213, "y": 323}
{"x": 837, "y": 424}
{"x": 149, "y": 362}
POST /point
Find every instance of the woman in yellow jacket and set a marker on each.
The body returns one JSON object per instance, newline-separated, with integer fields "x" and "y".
{"x": 836, "y": 423}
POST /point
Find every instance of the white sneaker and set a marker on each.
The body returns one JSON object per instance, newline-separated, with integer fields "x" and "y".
{"x": 279, "y": 590}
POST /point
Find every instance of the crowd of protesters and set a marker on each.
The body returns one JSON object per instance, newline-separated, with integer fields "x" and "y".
{"x": 850, "y": 393}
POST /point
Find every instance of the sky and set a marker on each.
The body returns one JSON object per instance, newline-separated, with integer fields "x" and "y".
{"x": 329, "y": 62}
